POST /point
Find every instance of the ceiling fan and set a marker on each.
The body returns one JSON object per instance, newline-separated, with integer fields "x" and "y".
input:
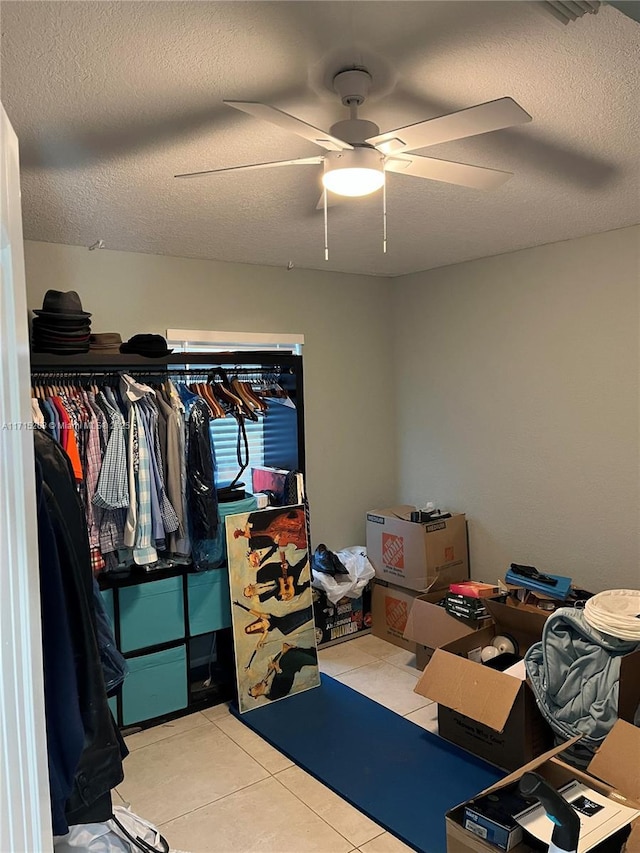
{"x": 358, "y": 156}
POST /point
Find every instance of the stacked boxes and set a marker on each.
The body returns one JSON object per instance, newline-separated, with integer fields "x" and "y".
{"x": 410, "y": 559}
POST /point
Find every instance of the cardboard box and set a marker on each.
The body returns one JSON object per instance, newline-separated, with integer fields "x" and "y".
{"x": 488, "y": 713}
{"x": 348, "y": 618}
{"x": 391, "y": 606}
{"x": 614, "y": 772}
{"x": 429, "y": 626}
{"x": 421, "y": 557}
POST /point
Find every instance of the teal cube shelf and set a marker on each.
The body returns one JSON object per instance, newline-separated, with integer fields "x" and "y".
{"x": 107, "y": 597}
{"x": 151, "y": 614}
{"x": 113, "y": 704}
{"x": 209, "y": 603}
{"x": 156, "y": 685}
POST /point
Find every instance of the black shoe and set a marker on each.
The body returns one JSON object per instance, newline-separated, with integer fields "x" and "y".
{"x": 322, "y": 562}
{"x": 339, "y": 566}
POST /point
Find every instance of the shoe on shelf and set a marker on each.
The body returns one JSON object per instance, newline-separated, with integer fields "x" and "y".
{"x": 322, "y": 562}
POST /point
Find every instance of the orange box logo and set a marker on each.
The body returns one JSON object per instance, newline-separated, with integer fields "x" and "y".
{"x": 396, "y": 613}
{"x": 393, "y": 551}
{"x": 448, "y": 554}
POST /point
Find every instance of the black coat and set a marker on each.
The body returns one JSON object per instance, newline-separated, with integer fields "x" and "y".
{"x": 100, "y": 766}
{"x": 65, "y": 731}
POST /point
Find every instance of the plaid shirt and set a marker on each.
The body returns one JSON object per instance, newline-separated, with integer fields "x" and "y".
{"x": 92, "y": 463}
{"x": 112, "y": 491}
{"x": 143, "y": 552}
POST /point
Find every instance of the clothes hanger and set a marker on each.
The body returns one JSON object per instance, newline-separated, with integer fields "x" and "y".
{"x": 206, "y": 392}
{"x": 248, "y": 404}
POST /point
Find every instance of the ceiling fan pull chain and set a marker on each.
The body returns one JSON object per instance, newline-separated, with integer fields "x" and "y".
{"x": 326, "y": 232}
{"x": 384, "y": 218}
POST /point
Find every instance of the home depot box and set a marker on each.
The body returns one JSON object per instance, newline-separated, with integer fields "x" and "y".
{"x": 390, "y": 608}
{"x": 422, "y": 557}
{"x": 429, "y": 626}
{"x": 489, "y": 713}
{"x": 614, "y": 772}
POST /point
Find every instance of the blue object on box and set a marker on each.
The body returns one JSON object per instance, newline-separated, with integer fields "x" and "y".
{"x": 156, "y": 685}
{"x": 559, "y": 590}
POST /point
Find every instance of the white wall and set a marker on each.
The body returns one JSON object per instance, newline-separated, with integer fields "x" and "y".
{"x": 350, "y": 426}
{"x": 518, "y": 402}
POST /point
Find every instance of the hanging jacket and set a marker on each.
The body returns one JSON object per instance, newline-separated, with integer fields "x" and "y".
{"x": 100, "y": 766}
{"x": 202, "y": 496}
{"x": 65, "y": 731}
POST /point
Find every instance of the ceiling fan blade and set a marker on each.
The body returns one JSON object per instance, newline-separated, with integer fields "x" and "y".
{"x": 304, "y": 161}
{"x": 292, "y": 124}
{"x": 447, "y": 171}
{"x": 470, "y": 122}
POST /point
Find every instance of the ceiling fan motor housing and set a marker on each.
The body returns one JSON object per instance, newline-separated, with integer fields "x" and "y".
{"x": 355, "y": 130}
{"x": 352, "y": 86}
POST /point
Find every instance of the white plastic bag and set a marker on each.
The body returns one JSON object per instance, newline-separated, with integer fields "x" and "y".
{"x": 355, "y": 561}
{"x": 109, "y": 837}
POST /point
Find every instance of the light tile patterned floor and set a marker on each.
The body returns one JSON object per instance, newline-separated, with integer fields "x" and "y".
{"x": 214, "y": 786}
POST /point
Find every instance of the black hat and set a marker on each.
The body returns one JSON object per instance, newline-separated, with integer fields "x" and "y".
{"x": 58, "y": 304}
{"x": 151, "y": 346}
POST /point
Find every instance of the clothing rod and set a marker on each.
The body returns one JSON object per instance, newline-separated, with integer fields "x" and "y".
{"x": 203, "y": 371}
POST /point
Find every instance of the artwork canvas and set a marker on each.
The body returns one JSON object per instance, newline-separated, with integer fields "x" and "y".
{"x": 272, "y": 605}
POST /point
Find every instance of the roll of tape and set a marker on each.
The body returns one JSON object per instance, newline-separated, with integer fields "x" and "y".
{"x": 504, "y": 644}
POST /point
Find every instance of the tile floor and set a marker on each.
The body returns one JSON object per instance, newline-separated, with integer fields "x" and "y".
{"x": 213, "y": 786}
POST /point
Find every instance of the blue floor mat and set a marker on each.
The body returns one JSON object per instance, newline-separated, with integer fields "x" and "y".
{"x": 398, "y": 774}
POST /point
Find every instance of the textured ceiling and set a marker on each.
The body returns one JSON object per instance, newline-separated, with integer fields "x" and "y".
{"x": 110, "y": 100}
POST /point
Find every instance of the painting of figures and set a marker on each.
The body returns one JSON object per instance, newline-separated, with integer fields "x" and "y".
{"x": 271, "y": 603}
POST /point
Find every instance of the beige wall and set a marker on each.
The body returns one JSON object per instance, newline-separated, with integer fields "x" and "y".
{"x": 508, "y": 385}
{"x": 518, "y": 402}
{"x": 350, "y": 426}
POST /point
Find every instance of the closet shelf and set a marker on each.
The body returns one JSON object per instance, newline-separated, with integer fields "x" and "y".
{"x": 138, "y": 576}
{"x": 120, "y": 361}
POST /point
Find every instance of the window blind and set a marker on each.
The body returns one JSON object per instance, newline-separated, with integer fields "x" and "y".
{"x": 225, "y": 430}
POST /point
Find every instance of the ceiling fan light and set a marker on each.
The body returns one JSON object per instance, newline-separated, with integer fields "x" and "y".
{"x": 353, "y": 173}
{"x": 353, "y": 182}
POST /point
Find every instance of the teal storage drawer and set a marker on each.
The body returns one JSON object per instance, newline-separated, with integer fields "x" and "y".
{"x": 107, "y": 597}
{"x": 151, "y": 613}
{"x": 156, "y": 685}
{"x": 209, "y": 605}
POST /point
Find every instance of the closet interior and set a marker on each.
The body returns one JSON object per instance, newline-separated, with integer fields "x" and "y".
{"x": 166, "y": 595}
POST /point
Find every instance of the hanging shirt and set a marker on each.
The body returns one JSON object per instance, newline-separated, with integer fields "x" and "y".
{"x": 157, "y": 529}
{"x": 180, "y": 545}
{"x": 36, "y": 414}
{"x": 93, "y": 463}
{"x": 172, "y": 475}
{"x": 169, "y": 518}
{"x": 201, "y": 494}
{"x": 112, "y": 490}
{"x": 143, "y": 552}
{"x": 69, "y": 441}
